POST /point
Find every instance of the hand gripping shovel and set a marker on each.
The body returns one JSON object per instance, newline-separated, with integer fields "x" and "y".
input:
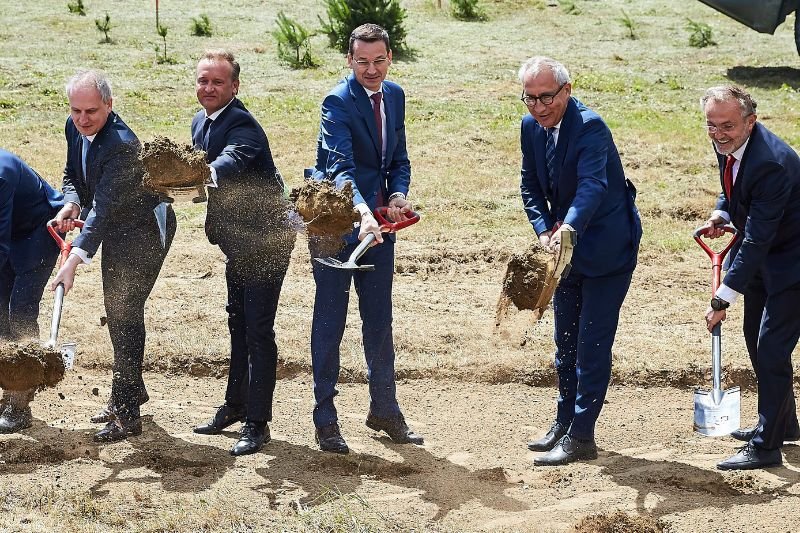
{"x": 386, "y": 227}
{"x": 716, "y": 411}
{"x": 67, "y": 349}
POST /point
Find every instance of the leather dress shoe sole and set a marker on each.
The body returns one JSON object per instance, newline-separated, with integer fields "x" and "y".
{"x": 397, "y": 430}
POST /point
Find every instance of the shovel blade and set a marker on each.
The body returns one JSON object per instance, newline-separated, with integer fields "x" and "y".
{"x": 716, "y": 413}
{"x": 349, "y": 265}
{"x": 68, "y": 354}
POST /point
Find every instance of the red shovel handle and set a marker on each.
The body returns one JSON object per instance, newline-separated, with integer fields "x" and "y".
{"x": 716, "y": 257}
{"x": 64, "y": 245}
{"x": 391, "y": 227}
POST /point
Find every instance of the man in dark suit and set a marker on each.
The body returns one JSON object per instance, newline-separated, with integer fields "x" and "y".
{"x": 27, "y": 256}
{"x": 572, "y": 176}
{"x": 247, "y": 219}
{"x": 362, "y": 141}
{"x": 760, "y": 177}
{"x": 103, "y": 186}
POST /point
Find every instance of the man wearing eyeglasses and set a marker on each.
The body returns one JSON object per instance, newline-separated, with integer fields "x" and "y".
{"x": 760, "y": 177}
{"x": 572, "y": 177}
{"x": 362, "y": 141}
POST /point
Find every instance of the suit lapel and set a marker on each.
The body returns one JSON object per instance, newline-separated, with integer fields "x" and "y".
{"x": 388, "y": 107}
{"x": 564, "y": 136}
{"x": 364, "y": 106}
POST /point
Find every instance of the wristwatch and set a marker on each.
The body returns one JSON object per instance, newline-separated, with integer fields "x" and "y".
{"x": 718, "y": 304}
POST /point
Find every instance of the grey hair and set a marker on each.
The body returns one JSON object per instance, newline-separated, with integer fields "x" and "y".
{"x": 723, "y": 93}
{"x": 90, "y": 78}
{"x": 537, "y": 64}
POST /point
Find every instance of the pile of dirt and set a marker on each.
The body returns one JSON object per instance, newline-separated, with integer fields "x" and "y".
{"x": 525, "y": 280}
{"x": 29, "y": 365}
{"x": 618, "y": 522}
{"x": 170, "y": 165}
{"x": 326, "y": 210}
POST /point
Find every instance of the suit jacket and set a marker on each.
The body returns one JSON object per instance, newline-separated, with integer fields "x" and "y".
{"x": 590, "y": 191}
{"x": 111, "y": 194}
{"x": 348, "y": 149}
{"x": 249, "y": 186}
{"x": 27, "y": 202}
{"x": 765, "y": 209}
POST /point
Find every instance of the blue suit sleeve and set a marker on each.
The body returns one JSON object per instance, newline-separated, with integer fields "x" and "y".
{"x": 7, "y": 189}
{"x": 592, "y": 186}
{"x": 533, "y": 198}
{"x": 244, "y": 143}
{"x": 338, "y": 141}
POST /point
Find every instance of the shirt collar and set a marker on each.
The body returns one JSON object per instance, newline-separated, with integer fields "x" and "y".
{"x": 218, "y": 112}
{"x": 739, "y": 153}
{"x": 90, "y": 138}
{"x": 370, "y": 93}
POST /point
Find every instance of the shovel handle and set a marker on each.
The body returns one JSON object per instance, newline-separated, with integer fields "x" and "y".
{"x": 716, "y": 257}
{"x": 390, "y": 227}
{"x": 64, "y": 245}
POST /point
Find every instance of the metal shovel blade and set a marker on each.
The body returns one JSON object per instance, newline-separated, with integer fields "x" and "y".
{"x": 716, "y": 411}
{"x": 349, "y": 265}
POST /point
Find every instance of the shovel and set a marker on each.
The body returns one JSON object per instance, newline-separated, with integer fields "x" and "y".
{"x": 386, "y": 227}
{"x": 67, "y": 349}
{"x": 716, "y": 411}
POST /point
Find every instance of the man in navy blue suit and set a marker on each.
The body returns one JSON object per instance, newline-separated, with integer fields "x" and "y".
{"x": 760, "y": 177}
{"x": 572, "y": 176}
{"x": 362, "y": 141}
{"x": 103, "y": 186}
{"x": 247, "y": 219}
{"x": 27, "y": 256}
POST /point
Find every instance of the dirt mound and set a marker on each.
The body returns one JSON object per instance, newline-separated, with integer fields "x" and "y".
{"x": 28, "y": 365}
{"x": 525, "y": 280}
{"x": 168, "y": 165}
{"x": 326, "y": 210}
{"x": 618, "y": 522}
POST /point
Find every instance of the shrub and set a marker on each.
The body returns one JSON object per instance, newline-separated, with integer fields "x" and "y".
{"x": 201, "y": 26}
{"x": 77, "y": 7}
{"x": 700, "y": 34}
{"x": 104, "y": 25}
{"x": 467, "y": 10}
{"x": 346, "y": 15}
{"x": 162, "y": 32}
{"x": 293, "y": 42}
{"x": 629, "y": 24}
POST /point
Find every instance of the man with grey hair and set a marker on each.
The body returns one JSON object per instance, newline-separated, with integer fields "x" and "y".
{"x": 572, "y": 179}
{"x": 760, "y": 179}
{"x": 102, "y": 185}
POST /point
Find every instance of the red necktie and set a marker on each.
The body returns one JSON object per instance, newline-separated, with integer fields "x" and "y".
{"x": 376, "y": 109}
{"x": 727, "y": 176}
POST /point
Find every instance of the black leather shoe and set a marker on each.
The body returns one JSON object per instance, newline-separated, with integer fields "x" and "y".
{"x": 395, "y": 427}
{"x": 224, "y": 417}
{"x": 751, "y": 456}
{"x": 13, "y": 419}
{"x": 546, "y": 443}
{"x": 119, "y": 430}
{"x": 252, "y": 438}
{"x": 568, "y": 450}
{"x": 330, "y": 439}
{"x": 747, "y": 434}
{"x": 106, "y": 414}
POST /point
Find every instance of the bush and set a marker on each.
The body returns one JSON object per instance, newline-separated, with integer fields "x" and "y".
{"x": 569, "y": 7}
{"x": 201, "y": 26}
{"x": 77, "y": 7}
{"x": 467, "y": 10}
{"x": 700, "y": 34}
{"x": 629, "y": 24}
{"x": 346, "y": 15}
{"x": 104, "y": 25}
{"x": 293, "y": 41}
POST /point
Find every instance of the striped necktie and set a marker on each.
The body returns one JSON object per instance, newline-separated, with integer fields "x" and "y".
{"x": 85, "y": 142}
{"x": 550, "y": 156}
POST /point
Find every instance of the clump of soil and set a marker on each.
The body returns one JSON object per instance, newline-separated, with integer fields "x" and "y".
{"x": 169, "y": 165}
{"x": 618, "y": 522}
{"x": 29, "y": 365}
{"x": 526, "y": 279}
{"x": 326, "y": 210}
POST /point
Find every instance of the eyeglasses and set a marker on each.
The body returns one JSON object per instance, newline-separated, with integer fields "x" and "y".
{"x": 725, "y": 128}
{"x": 545, "y": 99}
{"x": 363, "y": 63}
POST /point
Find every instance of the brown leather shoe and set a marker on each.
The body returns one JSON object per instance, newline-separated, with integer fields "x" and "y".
{"x": 395, "y": 427}
{"x": 106, "y": 414}
{"x": 330, "y": 439}
{"x": 119, "y": 430}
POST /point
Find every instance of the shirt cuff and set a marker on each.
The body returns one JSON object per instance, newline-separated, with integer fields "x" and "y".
{"x": 76, "y": 204}
{"x": 82, "y": 254}
{"x": 213, "y": 178}
{"x": 723, "y": 214}
{"x": 363, "y": 208}
{"x": 726, "y": 293}
{"x": 397, "y": 195}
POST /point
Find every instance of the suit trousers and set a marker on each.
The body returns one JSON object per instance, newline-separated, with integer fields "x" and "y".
{"x": 131, "y": 261}
{"x": 252, "y": 306}
{"x": 771, "y": 330}
{"x": 586, "y": 316}
{"x": 21, "y": 291}
{"x": 374, "y": 290}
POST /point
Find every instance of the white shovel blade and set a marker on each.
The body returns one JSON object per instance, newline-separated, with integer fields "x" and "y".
{"x": 68, "y": 354}
{"x": 716, "y": 419}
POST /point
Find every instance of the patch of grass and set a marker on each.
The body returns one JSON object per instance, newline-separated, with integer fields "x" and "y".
{"x": 570, "y": 7}
{"x": 700, "y": 34}
{"x": 468, "y": 10}
{"x": 201, "y": 26}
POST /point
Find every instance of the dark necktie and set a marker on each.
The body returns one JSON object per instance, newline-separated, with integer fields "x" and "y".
{"x": 550, "y": 156}
{"x": 376, "y": 109}
{"x": 727, "y": 176}
{"x": 206, "y": 129}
